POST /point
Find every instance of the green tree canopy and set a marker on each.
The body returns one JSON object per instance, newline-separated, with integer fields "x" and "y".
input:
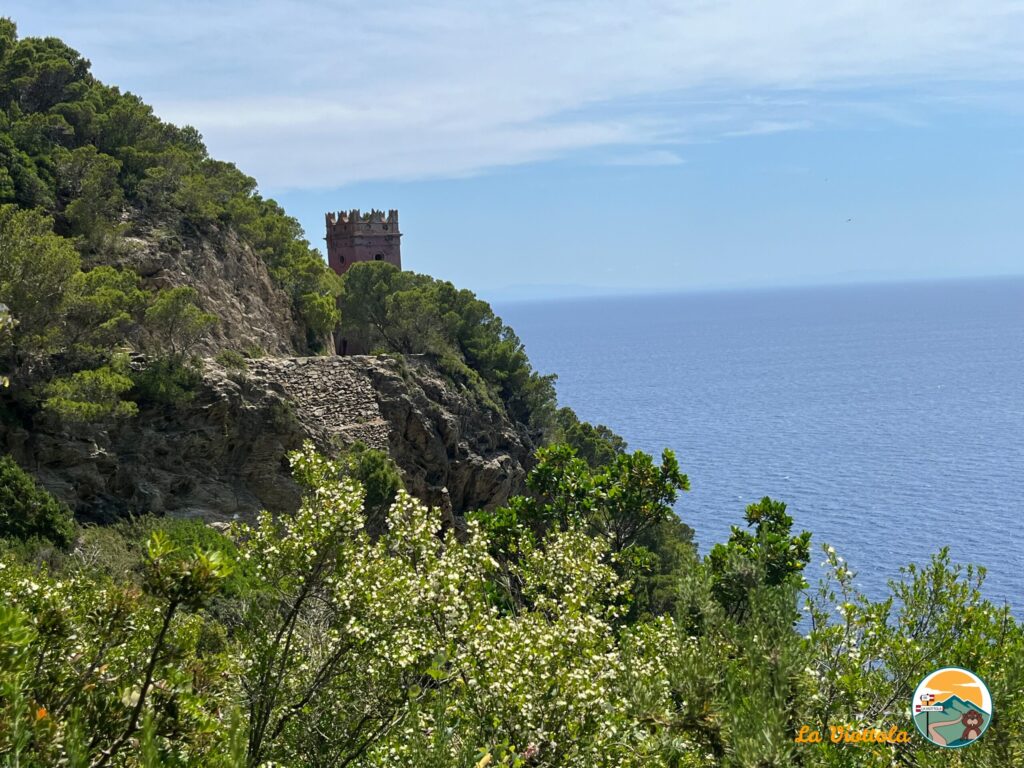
{"x": 770, "y": 556}
{"x": 37, "y": 268}
{"x": 176, "y": 323}
{"x": 394, "y": 311}
{"x": 99, "y": 163}
{"x": 621, "y": 500}
{"x": 102, "y": 309}
{"x": 28, "y": 511}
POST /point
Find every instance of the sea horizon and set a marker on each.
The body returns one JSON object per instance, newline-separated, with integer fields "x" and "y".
{"x": 861, "y": 406}
{"x": 500, "y": 302}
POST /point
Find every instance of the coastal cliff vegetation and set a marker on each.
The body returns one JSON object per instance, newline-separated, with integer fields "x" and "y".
{"x": 574, "y": 625}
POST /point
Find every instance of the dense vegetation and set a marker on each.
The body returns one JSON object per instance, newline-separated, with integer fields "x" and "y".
{"x": 576, "y": 626}
{"x": 384, "y": 309}
{"x": 303, "y": 640}
{"x": 27, "y": 512}
{"x": 100, "y": 163}
{"x": 67, "y": 331}
{"x": 82, "y": 166}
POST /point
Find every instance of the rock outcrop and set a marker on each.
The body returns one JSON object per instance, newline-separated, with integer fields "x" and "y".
{"x": 232, "y": 281}
{"x": 223, "y": 454}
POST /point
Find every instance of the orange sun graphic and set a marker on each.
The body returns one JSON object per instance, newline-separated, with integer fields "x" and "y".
{"x": 956, "y": 682}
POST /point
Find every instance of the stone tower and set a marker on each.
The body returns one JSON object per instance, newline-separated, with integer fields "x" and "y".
{"x": 356, "y": 236}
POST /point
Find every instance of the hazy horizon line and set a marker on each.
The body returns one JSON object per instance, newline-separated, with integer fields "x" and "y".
{"x": 743, "y": 288}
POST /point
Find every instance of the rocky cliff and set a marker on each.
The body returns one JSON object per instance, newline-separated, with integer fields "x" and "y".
{"x": 223, "y": 454}
{"x": 232, "y": 281}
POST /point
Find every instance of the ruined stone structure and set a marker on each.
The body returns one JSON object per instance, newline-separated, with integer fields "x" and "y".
{"x": 356, "y": 236}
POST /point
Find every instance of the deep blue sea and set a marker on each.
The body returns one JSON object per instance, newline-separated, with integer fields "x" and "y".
{"x": 890, "y": 418}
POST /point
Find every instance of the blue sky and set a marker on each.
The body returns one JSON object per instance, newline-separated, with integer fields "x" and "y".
{"x": 546, "y": 148}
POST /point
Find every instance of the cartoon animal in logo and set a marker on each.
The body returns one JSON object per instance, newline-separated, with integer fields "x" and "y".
{"x": 972, "y": 721}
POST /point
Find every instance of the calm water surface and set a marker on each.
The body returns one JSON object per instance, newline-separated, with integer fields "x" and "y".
{"x": 889, "y": 418}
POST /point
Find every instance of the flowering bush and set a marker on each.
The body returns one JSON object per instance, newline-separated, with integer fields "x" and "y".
{"x": 415, "y": 647}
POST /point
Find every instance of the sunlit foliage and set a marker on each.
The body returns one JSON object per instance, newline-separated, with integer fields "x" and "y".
{"x": 303, "y": 640}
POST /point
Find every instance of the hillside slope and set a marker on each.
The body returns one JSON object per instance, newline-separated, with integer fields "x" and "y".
{"x": 132, "y": 191}
{"x": 106, "y": 214}
{"x": 254, "y": 314}
{"x": 223, "y": 454}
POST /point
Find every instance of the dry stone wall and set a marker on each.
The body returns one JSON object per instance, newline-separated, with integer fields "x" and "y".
{"x": 454, "y": 452}
{"x": 333, "y": 398}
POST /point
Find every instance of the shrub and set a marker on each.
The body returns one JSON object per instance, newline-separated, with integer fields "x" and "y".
{"x": 379, "y": 476}
{"x": 119, "y": 550}
{"x": 92, "y": 395}
{"x": 232, "y": 360}
{"x": 28, "y": 511}
{"x": 190, "y": 535}
{"x": 166, "y": 382}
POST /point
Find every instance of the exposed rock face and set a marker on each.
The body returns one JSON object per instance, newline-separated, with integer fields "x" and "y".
{"x": 450, "y": 448}
{"x": 233, "y": 283}
{"x": 223, "y": 454}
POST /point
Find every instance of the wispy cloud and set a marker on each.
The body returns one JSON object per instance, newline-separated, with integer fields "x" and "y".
{"x": 767, "y": 127}
{"x": 324, "y": 93}
{"x": 653, "y": 157}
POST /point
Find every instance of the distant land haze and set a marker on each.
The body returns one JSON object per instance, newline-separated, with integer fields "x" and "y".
{"x": 553, "y": 291}
{"x": 890, "y": 418}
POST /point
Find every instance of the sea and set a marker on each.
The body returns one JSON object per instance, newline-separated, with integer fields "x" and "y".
{"x": 888, "y": 417}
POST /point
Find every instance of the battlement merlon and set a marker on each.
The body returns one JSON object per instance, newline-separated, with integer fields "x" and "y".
{"x": 367, "y": 223}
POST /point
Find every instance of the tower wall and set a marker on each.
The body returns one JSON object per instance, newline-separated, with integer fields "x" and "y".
{"x": 353, "y": 237}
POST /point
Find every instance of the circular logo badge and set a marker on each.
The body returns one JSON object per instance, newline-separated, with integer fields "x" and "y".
{"x": 952, "y": 707}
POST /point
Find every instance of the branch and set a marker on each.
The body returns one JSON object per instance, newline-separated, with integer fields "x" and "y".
{"x": 147, "y": 682}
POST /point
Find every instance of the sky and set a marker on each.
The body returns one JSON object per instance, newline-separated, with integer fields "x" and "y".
{"x": 546, "y": 148}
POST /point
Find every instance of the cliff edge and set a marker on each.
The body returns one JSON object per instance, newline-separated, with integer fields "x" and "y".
{"x": 223, "y": 454}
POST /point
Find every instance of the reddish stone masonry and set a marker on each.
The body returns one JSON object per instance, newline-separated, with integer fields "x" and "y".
{"x": 355, "y": 236}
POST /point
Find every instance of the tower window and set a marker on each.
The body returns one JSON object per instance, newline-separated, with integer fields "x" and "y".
{"x": 378, "y": 257}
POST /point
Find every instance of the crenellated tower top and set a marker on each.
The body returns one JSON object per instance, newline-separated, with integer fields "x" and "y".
{"x": 354, "y": 236}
